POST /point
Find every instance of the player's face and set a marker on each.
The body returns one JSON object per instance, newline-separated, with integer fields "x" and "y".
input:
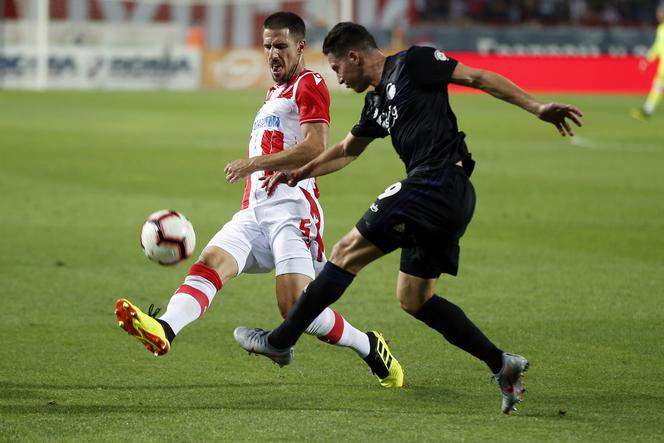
{"x": 349, "y": 71}
{"x": 282, "y": 52}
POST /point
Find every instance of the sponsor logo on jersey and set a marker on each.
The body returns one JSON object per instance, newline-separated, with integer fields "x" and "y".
{"x": 318, "y": 78}
{"x": 387, "y": 118}
{"x": 270, "y": 121}
{"x": 440, "y": 55}
{"x": 391, "y": 91}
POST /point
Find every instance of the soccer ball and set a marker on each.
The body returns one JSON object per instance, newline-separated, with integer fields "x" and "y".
{"x": 167, "y": 237}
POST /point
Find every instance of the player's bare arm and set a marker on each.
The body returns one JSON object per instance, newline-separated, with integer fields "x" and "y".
{"x": 333, "y": 159}
{"x": 314, "y": 140}
{"x": 500, "y": 87}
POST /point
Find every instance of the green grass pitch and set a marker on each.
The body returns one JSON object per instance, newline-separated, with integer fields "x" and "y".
{"x": 563, "y": 262}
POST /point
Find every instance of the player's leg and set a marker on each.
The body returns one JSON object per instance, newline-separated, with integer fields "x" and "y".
{"x": 655, "y": 95}
{"x": 416, "y": 297}
{"x": 187, "y": 304}
{"x": 222, "y": 259}
{"x": 374, "y": 236}
{"x": 352, "y": 253}
{"x": 653, "y": 99}
{"x": 295, "y": 251}
{"x": 331, "y": 327}
{"x": 212, "y": 270}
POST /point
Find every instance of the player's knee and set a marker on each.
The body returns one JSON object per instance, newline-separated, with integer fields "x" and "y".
{"x": 210, "y": 259}
{"x": 340, "y": 250}
{"x": 409, "y": 305}
{"x": 412, "y": 301}
{"x": 219, "y": 260}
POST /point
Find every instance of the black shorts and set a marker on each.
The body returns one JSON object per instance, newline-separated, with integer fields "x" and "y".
{"x": 425, "y": 216}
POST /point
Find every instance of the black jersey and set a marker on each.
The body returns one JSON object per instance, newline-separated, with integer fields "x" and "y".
{"x": 411, "y": 105}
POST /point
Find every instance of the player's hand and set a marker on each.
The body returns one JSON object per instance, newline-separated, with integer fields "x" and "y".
{"x": 299, "y": 174}
{"x": 238, "y": 169}
{"x": 557, "y": 114}
{"x": 270, "y": 182}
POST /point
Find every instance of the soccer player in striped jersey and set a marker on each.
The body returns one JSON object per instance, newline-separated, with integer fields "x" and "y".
{"x": 656, "y": 52}
{"x": 281, "y": 232}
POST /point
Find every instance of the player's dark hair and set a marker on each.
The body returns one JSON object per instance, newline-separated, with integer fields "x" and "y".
{"x": 283, "y": 19}
{"x": 346, "y": 36}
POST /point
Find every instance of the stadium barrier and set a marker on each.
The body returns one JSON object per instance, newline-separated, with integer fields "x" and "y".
{"x": 600, "y": 74}
{"x": 238, "y": 69}
{"x": 176, "y": 68}
{"x": 181, "y": 68}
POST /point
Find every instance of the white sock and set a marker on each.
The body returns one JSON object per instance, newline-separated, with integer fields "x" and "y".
{"x": 192, "y": 299}
{"x": 332, "y": 328}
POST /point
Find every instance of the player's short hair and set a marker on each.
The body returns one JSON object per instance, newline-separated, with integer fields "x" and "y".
{"x": 290, "y": 20}
{"x": 346, "y": 36}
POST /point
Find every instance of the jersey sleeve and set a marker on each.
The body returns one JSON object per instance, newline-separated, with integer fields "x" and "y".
{"x": 367, "y": 126}
{"x": 313, "y": 99}
{"x": 429, "y": 67}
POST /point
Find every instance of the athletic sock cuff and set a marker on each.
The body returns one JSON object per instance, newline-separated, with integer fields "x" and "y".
{"x": 207, "y": 273}
{"x": 336, "y": 274}
{"x": 168, "y": 331}
{"x": 428, "y": 307}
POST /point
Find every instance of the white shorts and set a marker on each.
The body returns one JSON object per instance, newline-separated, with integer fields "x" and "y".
{"x": 285, "y": 235}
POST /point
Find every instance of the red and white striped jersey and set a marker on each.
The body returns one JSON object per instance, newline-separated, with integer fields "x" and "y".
{"x": 303, "y": 99}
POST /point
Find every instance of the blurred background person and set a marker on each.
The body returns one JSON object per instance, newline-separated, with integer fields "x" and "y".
{"x": 656, "y": 52}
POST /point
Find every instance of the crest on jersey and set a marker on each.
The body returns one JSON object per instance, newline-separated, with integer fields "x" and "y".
{"x": 440, "y": 55}
{"x": 391, "y": 91}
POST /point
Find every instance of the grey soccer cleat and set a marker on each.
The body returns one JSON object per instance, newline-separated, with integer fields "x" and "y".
{"x": 255, "y": 342}
{"x": 510, "y": 380}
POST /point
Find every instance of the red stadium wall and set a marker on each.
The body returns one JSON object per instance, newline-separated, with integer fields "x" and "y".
{"x": 541, "y": 74}
{"x": 586, "y": 75}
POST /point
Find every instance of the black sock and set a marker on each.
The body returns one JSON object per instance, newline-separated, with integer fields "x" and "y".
{"x": 321, "y": 293}
{"x": 448, "y": 319}
{"x": 170, "y": 336}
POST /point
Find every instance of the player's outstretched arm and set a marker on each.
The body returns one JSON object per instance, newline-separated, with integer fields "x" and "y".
{"x": 332, "y": 159}
{"x": 314, "y": 140}
{"x": 500, "y": 87}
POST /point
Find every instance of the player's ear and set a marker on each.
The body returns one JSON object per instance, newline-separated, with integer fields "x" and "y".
{"x": 301, "y": 45}
{"x": 354, "y": 56}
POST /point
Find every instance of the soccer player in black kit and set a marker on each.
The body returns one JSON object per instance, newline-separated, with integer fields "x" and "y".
{"x": 426, "y": 213}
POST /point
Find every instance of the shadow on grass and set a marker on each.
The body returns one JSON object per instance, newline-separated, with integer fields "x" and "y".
{"x": 76, "y": 399}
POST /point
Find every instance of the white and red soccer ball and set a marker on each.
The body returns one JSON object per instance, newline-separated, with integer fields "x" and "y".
{"x": 168, "y": 237}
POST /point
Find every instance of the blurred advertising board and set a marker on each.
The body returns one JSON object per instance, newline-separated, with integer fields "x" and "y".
{"x": 601, "y": 74}
{"x": 177, "y": 68}
{"x": 247, "y": 68}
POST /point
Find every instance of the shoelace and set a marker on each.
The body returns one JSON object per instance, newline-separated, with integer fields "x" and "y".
{"x": 156, "y": 311}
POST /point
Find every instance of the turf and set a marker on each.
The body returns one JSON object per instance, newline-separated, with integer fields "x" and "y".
{"x": 563, "y": 262}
